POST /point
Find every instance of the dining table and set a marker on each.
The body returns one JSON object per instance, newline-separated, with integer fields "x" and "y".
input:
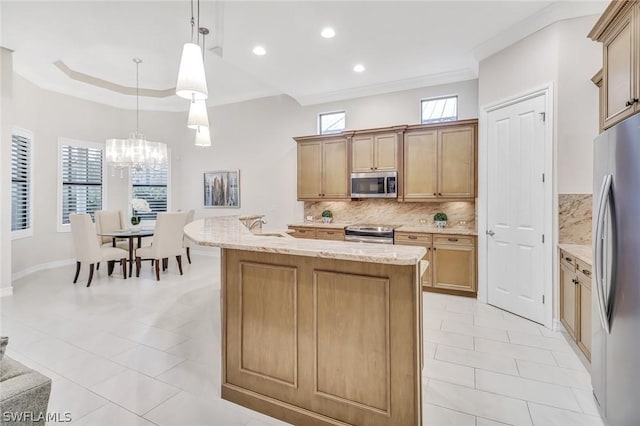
{"x": 131, "y": 235}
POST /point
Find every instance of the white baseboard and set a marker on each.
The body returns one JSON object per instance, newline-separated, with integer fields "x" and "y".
{"x": 6, "y": 291}
{"x": 41, "y": 267}
{"x": 557, "y": 325}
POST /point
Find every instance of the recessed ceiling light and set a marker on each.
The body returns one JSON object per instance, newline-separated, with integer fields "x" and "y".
{"x": 328, "y": 32}
{"x": 259, "y": 50}
{"x": 359, "y": 68}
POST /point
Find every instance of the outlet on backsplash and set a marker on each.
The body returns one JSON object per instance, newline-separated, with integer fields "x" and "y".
{"x": 423, "y": 221}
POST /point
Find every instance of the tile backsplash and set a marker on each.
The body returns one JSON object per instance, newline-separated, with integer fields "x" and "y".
{"x": 574, "y": 218}
{"x": 392, "y": 212}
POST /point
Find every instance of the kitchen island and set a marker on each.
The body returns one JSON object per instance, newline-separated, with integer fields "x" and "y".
{"x": 318, "y": 332}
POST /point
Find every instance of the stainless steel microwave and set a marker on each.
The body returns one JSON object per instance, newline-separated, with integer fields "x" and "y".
{"x": 374, "y": 185}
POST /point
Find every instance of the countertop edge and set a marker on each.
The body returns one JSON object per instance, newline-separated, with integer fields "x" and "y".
{"x": 580, "y": 251}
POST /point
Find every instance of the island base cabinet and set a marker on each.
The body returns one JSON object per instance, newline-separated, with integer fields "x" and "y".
{"x": 316, "y": 341}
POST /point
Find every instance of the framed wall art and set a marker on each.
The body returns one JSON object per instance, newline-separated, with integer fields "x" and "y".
{"x": 222, "y": 189}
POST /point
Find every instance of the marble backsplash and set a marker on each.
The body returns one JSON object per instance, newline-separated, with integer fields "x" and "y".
{"x": 574, "y": 218}
{"x": 392, "y": 212}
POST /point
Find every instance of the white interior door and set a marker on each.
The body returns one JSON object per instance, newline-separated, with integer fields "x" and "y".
{"x": 515, "y": 207}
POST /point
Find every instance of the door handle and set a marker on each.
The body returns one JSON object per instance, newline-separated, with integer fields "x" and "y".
{"x": 490, "y": 233}
{"x": 598, "y": 265}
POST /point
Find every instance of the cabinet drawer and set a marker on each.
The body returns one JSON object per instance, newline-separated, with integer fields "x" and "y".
{"x": 411, "y": 238}
{"x": 453, "y": 239}
{"x": 583, "y": 272}
{"x": 567, "y": 260}
{"x": 304, "y": 232}
{"x": 330, "y": 234}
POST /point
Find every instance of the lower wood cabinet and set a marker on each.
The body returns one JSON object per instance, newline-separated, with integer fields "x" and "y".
{"x": 452, "y": 261}
{"x": 575, "y": 300}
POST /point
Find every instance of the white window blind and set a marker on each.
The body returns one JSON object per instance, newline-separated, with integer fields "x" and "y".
{"x": 150, "y": 184}
{"x": 20, "y": 182}
{"x": 81, "y": 180}
{"x": 435, "y": 110}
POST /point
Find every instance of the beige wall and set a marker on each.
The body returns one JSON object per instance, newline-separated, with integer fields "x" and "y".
{"x": 254, "y": 137}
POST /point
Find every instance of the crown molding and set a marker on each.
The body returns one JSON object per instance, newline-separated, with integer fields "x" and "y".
{"x": 389, "y": 87}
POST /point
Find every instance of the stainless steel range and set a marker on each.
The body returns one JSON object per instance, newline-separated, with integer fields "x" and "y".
{"x": 369, "y": 234}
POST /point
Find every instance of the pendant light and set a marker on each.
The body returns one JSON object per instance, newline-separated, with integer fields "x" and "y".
{"x": 135, "y": 152}
{"x": 192, "y": 82}
{"x": 198, "y": 116}
{"x": 203, "y": 138}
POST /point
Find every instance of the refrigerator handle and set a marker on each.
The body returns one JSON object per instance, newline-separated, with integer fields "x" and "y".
{"x": 599, "y": 260}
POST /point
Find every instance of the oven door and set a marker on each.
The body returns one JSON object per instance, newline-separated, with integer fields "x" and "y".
{"x": 373, "y": 185}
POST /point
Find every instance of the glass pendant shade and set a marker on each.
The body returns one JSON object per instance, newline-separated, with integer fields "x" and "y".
{"x": 135, "y": 152}
{"x": 203, "y": 137}
{"x": 198, "y": 116}
{"x": 192, "y": 83}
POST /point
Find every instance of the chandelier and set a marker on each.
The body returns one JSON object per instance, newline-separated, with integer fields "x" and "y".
{"x": 135, "y": 152}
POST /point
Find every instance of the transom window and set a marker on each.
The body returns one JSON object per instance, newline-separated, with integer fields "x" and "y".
{"x": 331, "y": 122}
{"x": 150, "y": 184}
{"x": 435, "y": 110}
{"x": 21, "y": 191}
{"x": 82, "y": 171}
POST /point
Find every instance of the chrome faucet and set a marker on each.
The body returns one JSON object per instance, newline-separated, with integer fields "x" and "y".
{"x": 255, "y": 222}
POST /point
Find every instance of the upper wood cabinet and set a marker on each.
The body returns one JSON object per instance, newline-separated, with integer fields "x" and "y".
{"x": 322, "y": 168}
{"x": 619, "y": 31}
{"x": 439, "y": 162}
{"x": 374, "y": 152}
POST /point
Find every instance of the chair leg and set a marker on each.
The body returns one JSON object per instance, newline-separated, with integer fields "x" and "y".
{"x": 110, "y": 265}
{"x": 189, "y": 255}
{"x": 179, "y": 259}
{"x": 90, "y": 274}
{"x": 75, "y": 279}
{"x": 157, "y": 269}
{"x": 123, "y": 262}
{"x": 165, "y": 264}
{"x": 98, "y": 266}
{"x": 138, "y": 264}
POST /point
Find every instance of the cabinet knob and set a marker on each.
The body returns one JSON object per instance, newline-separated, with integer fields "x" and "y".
{"x": 435, "y": 193}
{"x": 586, "y": 272}
{"x": 631, "y": 102}
{"x": 439, "y": 193}
{"x": 568, "y": 259}
{"x": 371, "y": 168}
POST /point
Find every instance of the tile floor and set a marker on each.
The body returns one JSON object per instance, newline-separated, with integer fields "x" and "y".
{"x": 137, "y": 352}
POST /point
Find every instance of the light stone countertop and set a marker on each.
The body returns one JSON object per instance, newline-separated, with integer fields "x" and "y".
{"x": 228, "y": 232}
{"x": 428, "y": 229}
{"x": 580, "y": 251}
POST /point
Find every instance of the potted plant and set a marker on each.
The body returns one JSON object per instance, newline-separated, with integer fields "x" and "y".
{"x": 138, "y": 205}
{"x": 327, "y": 215}
{"x": 440, "y": 220}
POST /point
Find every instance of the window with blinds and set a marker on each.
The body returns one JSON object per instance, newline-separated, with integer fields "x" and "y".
{"x": 150, "y": 184}
{"x": 20, "y": 182}
{"x": 81, "y": 180}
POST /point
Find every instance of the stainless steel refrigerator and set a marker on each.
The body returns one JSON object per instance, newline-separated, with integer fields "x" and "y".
{"x": 615, "y": 352}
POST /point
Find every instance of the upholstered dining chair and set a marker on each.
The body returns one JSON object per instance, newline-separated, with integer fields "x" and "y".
{"x": 187, "y": 243}
{"x": 166, "y": 242}
{"x": 109, "y": 221}
{"x": 87, "y": 248}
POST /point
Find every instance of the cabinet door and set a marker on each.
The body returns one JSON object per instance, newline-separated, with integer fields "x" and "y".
{"x": 456, "y": 168}
{"x": 454, "y": 267}
{"x": 335, "y": 181}
{"x": 568, "y": 300}
{"x": 620, "y": 85}
{"x": 584, "y": 340}
{"x": 386, "y": 152}
{"x": 309, "y": 170}
{"x": 362, "y": 154}
{"x": 423, "y": 240}
{"x": 421, "y": 165}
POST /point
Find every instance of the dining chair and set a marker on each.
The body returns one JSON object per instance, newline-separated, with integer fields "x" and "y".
{"x": 186, "y": 242}
{"x": 109, "y": 221}
{"x": 166, "y": 242}
{"x": 87, "y": 248}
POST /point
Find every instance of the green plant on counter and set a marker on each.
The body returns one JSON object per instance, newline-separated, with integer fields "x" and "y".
{"x": 327, "y": 213}
{"x": 440, "y": 217}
